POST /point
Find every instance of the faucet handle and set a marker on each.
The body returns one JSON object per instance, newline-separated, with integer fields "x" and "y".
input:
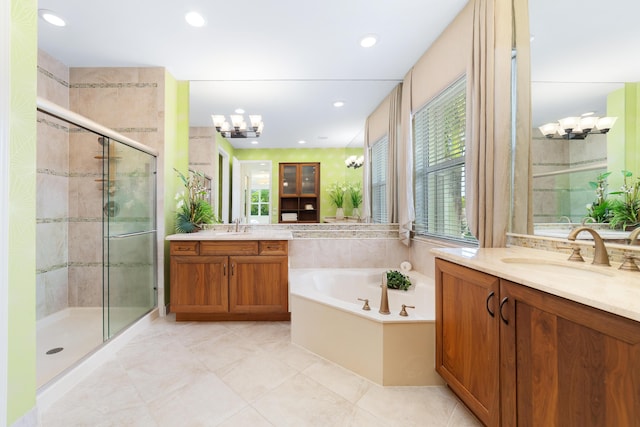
{"x": 629, "y": 263}
{"x": 403, "y": 311}
{"x": 575, "y": 254}
{"x": 366, "y": 304}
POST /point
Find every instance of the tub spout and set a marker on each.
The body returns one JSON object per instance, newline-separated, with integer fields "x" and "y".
{"x": 384, "y": 298}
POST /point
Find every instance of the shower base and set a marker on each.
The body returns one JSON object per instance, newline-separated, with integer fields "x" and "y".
{"x": 77, "y": 330}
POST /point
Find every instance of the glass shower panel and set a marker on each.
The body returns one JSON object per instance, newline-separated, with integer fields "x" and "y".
{"x": 130, "y": 236}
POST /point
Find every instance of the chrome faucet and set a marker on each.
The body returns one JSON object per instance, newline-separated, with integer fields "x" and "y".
{"x": 237, "y": 224}
{"x": 600, "y": 255}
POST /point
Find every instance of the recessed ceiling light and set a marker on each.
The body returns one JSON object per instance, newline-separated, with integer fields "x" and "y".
{"x": 254, "y": 142}
{"x": 194, "y": 19}
{"x": 368, "y": 40}
{"x": 51, "y": 18}
{"x": 338, "y": 104}
{"x": 302, "y": 142}
{"x": 239, "y": 111}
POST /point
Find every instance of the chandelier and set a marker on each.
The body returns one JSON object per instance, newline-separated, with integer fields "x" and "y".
{"x": 354, "y": 161}
{"x": 238, "y": 127}
{"x": 577, "y": 127}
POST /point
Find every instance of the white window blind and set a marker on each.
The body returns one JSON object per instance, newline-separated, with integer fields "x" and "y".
{"x": 439, "y": 149}
{"x": 379, "y": 156}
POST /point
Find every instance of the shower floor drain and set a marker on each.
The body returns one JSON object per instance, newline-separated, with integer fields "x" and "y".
{"x": 55, "y": 350}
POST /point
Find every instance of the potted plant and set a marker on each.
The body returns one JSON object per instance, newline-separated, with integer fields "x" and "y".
{"x": 337, "y": 191}
{"x": 397, "y": 280}
{"x": 600, "y": 209}
{"x": 625, "y": 212}
{"x": 192, "y": 209}
{"x": 355, "y": 194}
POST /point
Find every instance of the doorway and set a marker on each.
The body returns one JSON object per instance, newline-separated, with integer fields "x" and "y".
{"x": 252, "y": 191}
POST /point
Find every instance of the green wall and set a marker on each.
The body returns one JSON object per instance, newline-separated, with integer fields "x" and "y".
{"x": 332, "y": 169}
{"x": 623, "y": 140}
{"x": 21, "y": 375}
{"x": 176, "y": 155}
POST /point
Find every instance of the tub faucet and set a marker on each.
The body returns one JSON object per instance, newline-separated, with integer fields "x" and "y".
{"x": 384, "y": 298}
{"x": 600, "y": 255}
{"x": 633, "y": 237}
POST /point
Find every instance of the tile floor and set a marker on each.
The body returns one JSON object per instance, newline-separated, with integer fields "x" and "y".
{"x": 240, "y": 374}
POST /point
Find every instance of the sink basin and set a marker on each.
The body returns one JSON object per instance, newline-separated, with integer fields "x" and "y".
{"x": 559, "y": 267}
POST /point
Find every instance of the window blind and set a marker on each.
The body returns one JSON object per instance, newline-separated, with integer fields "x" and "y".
{"x": 379, "y": 156}
{"x": 439, "y": 149}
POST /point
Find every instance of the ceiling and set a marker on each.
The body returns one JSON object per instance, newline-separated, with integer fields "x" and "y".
{"x": 287, "y": 60}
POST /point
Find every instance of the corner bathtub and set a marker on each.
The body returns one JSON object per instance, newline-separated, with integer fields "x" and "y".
{"x": 327, "y": 319}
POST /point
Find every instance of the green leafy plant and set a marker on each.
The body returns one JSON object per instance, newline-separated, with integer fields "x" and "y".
{"x": 192, "y": 209}
{"x": 397, "y": 280}
{"x": 337, "y": 191}
{"x": 600, "y": 209}
{"x": 626, "y": 210}
{"x": 355, "y": 194}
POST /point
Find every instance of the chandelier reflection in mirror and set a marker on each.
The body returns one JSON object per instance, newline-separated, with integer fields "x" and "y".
{"x": 577, "y": 127}
{"x": 354, "y": 161}
{"x": 238, "y": 126}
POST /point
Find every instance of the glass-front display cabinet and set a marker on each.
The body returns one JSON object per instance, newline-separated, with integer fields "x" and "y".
{"x": 299, "y": 199}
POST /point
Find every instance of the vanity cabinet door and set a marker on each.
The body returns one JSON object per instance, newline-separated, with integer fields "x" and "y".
{"x": 467, "y": 337}
{"x": 199, "y": 284}
{"x": 566, "y": 364}
{"x": 258, "y": 284}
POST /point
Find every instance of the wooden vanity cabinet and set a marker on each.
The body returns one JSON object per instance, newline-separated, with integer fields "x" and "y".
{"x": 230, "y": 280}
{"x": 566, "y": 364}
{"x": 467, "y": 337}
{"x": 521, "y": 357}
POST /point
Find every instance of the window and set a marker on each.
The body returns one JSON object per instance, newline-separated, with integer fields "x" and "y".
{"x": 379, "y": 155}
{"x": 260, "y": 203}
{"x": 439, "y": 149}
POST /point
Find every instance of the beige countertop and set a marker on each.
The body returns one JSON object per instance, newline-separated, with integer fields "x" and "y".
{"x": 232, "y": 235}
{"x": 605, "y": 288}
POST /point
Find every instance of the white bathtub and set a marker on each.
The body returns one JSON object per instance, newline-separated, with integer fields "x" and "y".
{"x": 327, "y": 319}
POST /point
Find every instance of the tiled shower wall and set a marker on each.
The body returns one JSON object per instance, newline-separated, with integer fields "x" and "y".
{"x": 69, "y": 202}
{"x": 52, "y": 201}
{"x": 566, "y": 194}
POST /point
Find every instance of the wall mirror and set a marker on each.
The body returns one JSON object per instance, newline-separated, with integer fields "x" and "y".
{"x": 582, "y": 55}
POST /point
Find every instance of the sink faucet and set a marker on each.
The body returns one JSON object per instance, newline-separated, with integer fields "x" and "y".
{"x": 237, "y": 224}
{"x": 600, "y": 255}
{"x": 628, "y": 262}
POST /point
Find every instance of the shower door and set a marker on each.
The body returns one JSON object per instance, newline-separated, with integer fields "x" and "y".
{"x": 129, "y": 285}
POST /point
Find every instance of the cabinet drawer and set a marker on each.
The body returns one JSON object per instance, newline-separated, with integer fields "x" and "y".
{"x": 229, "y": 247}
{"x": 273, "y": 247}
{"x": 184, "y": 248}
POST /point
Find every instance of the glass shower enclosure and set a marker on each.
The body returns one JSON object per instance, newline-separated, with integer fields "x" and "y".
{"x": 129, "y": 230}
{"x": 96, "y": 238}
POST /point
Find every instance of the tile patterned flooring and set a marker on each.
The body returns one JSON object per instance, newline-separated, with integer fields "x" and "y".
{"x": 240, "y": 374}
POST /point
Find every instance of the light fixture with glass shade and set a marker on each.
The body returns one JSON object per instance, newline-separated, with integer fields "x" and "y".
{"x": 238, "y": 127}
{"x": 354, "y": 161}
{"x": 577, "y": 127}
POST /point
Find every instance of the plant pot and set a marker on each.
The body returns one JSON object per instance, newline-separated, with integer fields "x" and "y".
{"x": 339, "y": 213}
{"x": 356, "y": 212}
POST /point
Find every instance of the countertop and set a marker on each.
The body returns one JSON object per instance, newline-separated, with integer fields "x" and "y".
{"x": 605, "y": 288}
{"x": 226, "y": 235}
